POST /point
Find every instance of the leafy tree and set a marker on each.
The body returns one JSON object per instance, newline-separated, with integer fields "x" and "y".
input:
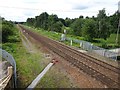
{"x": 31, "y": 21}
{"x": 81, "y": 16}
{"x": 102, "y": 14}
{"x": 87, "y": 17}
{"x": 57, "y": 27}
{"x": 101, "y": 26}
{"x": 52, "y": 19}
{"x": 68, "y": 22}
{"x": 42, "y": 20}
{"x": 114, "y": 20}
{"x": 103, "y": 31}
{"x": 88, "y": 29}
{"x": 76, "y": 26}
{"x": 7, "y": 30}
{"x": 62, "y": 20}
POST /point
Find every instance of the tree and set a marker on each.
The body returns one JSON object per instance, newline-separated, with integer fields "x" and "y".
{"x": 31, "y": 21}
{"x": 68, "y": 22}
{"x": 88, "y": 29}
{"x": 81, "y": 16}
{"x": 114, "y": 20}
{"x": 103, "y": 31}
{"x": 7, "y": 30}
{"x": 101, "y": 14}
{"x": 62, "y": 20}
{"x": 52, "y": 19}
{"x": 76, "y": 26}
{"x": 42, "y": 21}
{"x": 57, "y": 27}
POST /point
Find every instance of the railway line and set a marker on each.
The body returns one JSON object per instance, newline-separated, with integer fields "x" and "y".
{"x": 101, "y": 71}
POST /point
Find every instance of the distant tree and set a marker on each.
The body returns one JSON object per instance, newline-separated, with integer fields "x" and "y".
{"x": 42, "y": 21}
{"x": 94, "y": 18}
{"x": 88, "y": 29}
{"x": 103, "y": 31}
{"x": 81, "y": 16}
{"x": 102, "y": 14}
{"x": 76, "y": 26}
{"x": 87, "y": 17}
{"x": 52, "y": 19}
{"x": 103, "y": 25}
{"x": 57, "y": 27}
{"x": 114, "y": 20}
{"x": 68, "y": 22}
{"x": 31, "y": 21}
{"x": 62, "y": 20}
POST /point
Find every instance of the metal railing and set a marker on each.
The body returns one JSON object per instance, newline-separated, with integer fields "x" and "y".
{"x": 5, "y": 55}
{"x": 90, "y": 47}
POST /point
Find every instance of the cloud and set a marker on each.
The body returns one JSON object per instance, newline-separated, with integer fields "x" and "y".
{"x": 20, "y": 10}
{"x": 81, "y": 7}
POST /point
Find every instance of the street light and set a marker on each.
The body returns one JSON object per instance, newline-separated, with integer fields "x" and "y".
{"x": 118, "y": 23}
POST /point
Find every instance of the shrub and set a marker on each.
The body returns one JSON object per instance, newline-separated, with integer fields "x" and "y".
{"x": 7, "y": 30}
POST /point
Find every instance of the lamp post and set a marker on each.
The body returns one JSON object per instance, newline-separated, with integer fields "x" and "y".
{"x": 118, "y": 23}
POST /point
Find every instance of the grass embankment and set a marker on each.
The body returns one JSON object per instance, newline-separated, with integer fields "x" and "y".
{"x": 109, "y": 43}
{"x": 54, "y": 35}
{"x": 29, "y": 65}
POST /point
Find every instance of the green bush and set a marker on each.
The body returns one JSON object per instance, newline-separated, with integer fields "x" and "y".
{"x": 7, "y": 30}
{"x": 104, "y": 45}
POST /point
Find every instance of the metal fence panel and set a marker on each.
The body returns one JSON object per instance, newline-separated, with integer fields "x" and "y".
{"x": 90, "y": 47}
{"x": 11, "y": 60}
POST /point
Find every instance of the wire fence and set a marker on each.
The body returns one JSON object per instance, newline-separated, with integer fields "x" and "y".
{"x": 90, "y": 47}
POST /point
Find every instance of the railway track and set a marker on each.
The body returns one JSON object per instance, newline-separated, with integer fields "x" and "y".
{"x": 101, "y": 71}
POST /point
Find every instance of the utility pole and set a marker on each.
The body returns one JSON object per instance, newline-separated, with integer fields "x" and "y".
{"x": 117, "y": 37}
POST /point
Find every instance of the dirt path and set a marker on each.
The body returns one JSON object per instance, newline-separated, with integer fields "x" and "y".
{"x": 29, "y": 46}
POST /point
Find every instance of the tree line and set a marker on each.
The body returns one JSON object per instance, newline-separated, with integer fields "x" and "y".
{"x": 88, "y": 27}
{"x": 7, "y": 30}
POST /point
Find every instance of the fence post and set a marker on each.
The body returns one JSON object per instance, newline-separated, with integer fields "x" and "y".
{"x": 91, "y": 47}
{"x": 81, "y": 44}
{"x": 71, "y": 42}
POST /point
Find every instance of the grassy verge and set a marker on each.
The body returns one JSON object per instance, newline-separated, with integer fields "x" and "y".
{"x": 54, "y": 35}
{"x": 109, "y": 43}
{"x": 29, "y": 65}
{"x": 55, "y": 79}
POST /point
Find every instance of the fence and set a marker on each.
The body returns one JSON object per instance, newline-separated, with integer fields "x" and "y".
{"x": 90, "y": 47}
{"x": 11, "y": 60}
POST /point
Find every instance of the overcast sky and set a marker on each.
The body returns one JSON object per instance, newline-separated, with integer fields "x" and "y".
{"x": 20, "y": 10}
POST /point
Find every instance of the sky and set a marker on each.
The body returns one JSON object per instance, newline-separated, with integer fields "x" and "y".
{"x": 20, "y": 10}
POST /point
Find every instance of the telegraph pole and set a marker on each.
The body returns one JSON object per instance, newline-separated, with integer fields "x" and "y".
{"x": 117, "y": 37}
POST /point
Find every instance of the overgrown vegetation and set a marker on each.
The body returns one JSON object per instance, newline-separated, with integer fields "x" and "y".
{"x": 108, "y": 44}
{"x": 8, "y": 30}
{"x": 91, "y": 28}
{"x": 29, "y": 65}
